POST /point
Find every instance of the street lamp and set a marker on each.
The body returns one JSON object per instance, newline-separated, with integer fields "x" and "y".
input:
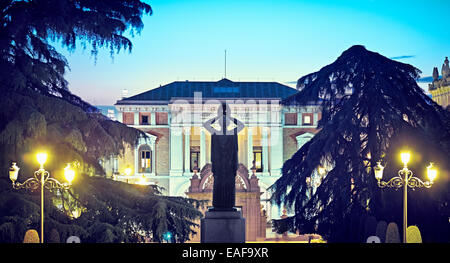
{"x": 69, "y": 173}
{"x": 40, "y": 180}
{"x": 128, "y": 172}
{"x": 405, "y": 179}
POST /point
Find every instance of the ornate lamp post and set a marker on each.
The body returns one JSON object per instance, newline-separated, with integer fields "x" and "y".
{"x": 128, "y": 172}
{"x": 40, "y": 180}
{"x": 405, "y": 179}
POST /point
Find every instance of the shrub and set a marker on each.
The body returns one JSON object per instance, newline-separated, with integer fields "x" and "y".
{"x": 31, "y": 236}
{"x": 413, "y": 235}
{"x": 381, "y": 231}
{"x": 54, "y": 236}
{"x": 370, "y": 227}
{"x": 392, "y": 234}
{"x": 7, "y": 232}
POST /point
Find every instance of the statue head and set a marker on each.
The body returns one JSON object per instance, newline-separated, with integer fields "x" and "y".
{"x": 224, "y": 109}
{"x": 223, "y": 113}
{"x": 223, "y": 120}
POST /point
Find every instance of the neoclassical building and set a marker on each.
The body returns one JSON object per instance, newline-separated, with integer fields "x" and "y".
{"x": 176, "y": 143}
{"x": 440, "y": 87}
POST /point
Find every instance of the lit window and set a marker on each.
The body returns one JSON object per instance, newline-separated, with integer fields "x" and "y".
{"x": 145, "y": 164}
{"x": 194, "y": 159}
{"x": 307, "y": 120}
{"x": 257, "y": 158}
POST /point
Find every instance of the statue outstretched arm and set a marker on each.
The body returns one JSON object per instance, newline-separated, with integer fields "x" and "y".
{"x": 208, "y": 125}
{"x": 239, "y": 125}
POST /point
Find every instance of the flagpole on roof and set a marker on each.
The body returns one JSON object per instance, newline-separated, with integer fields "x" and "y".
{"x": 225, "y": 64}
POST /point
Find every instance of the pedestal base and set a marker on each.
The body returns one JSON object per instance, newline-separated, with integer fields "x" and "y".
{"x": 223, "y": 227}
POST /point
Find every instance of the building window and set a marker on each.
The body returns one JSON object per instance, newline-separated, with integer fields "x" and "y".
{"x": 226, "y": 89}
{"x": 128, "y": 118}
{"x": 290, "y": 118}
{"x": 194, "y": 159}
{"x": 308, "y": 119}
{"x": 144, "y": 120}
{"x": 161, "y": 118}
{"x": 145, "y": 154}
{"x": 257, "y": 158}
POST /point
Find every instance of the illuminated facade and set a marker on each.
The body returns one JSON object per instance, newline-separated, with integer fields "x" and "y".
{"x": 176, "y": 143}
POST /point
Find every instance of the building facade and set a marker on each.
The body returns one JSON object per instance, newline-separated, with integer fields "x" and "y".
{"x": 176, "y": 143}
{"x": 440, "y": 87}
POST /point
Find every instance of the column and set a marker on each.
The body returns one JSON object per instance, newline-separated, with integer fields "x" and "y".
{"x": 187, "y": 151}
{"x": 249, "y": 148}
{"x": 153, "y": 147}
{"x": 202, "y": 148}
{"x": 276, "y": 150}
{"x": 265, "y": 150}
{"x": 299, "y": 119}
{"x": 176, "y": 151}
{"x": 152, "y": 118}
{"x": 120, "y": 116}
{"x": 136, "y": 118}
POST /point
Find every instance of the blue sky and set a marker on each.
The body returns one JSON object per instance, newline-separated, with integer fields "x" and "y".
{"x": 265, "y": 41}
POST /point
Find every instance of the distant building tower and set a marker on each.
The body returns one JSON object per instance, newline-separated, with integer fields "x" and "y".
{"x": 440, "y": 88}
{"x": 445, "y": 68}
{"x": 124, "y": 93}
{"x": 435, "y": 73}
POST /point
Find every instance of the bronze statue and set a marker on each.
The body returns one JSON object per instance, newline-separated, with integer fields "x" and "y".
{"x": 224, "y": 157}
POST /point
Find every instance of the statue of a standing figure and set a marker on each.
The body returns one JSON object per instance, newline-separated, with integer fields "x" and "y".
{"x": 224, "y": 157}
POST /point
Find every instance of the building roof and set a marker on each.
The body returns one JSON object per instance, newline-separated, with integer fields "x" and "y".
{"x": 222, "y": 89}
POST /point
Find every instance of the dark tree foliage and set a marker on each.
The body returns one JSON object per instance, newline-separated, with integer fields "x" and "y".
{"x": 110, "y": 211}
{"x": 132, "y": 213}
{"x": 372, "y": 108}
{"x": 39, "y": 112}
{"x": 29, "y": 62}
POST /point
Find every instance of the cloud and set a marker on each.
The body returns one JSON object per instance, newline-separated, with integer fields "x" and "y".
{"x": 403, "y": 57}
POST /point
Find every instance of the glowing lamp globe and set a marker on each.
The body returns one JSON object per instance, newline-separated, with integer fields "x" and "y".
{"x": 69, "y": 173}
{"x": 378, "y": 170}
{"x": 41, "y": 158}
{"x": 431, "y": 172}
{"x": 13, "y": 172}
{"x": 143, "y": 180}
{"x": 128, "y": 171}
{"x": 405, "y": 156}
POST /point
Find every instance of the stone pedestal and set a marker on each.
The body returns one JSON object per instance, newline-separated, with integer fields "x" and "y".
{"x": 223, "y": 227}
